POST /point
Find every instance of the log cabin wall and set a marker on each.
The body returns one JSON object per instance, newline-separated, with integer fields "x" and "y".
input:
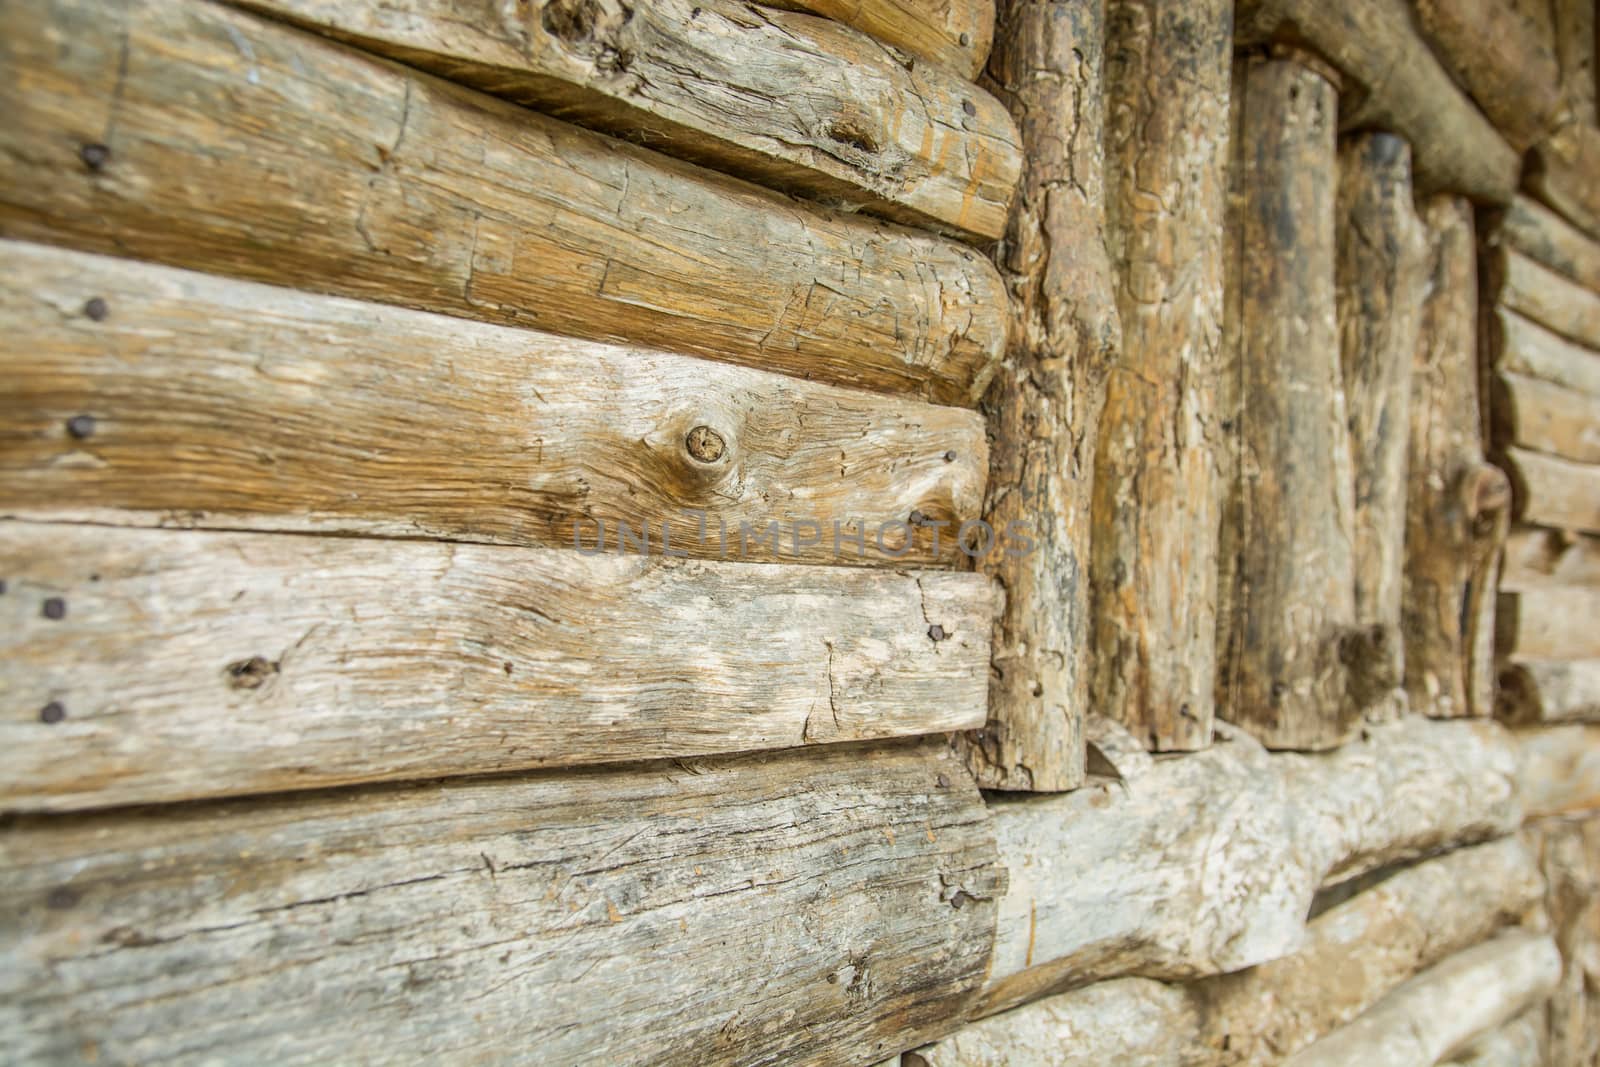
{"x": 921, "y": 532}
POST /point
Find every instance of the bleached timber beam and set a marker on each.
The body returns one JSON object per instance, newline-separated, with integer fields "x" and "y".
{"x": 787, "y": 100}
{"x": 1441, "y": 1011}
{"x": 1521, "y": 346}
{"x": 1545, "y": 417}
{"x": 1558, "y": 769}
{"x": 1537, "y": 559}
{"x": 203, "y": 137}
{"x": 1548, "y": 624}
{"x": 159, "y": 665}
{"x": 1555, "y": 492}
{"x": 631, "y": 915}
{"x": 1534, "y": 691}
{"x": 1518, "y": 1043}
{"x": 1569, "y": 855}
{"x": 952, "y": 33}
{"x": 1546, "y": 296}
{"x": 1537, "y": 232}
{"x": 1561, "y": 173}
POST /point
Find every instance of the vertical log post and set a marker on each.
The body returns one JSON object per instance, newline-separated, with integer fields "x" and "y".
{"x": 1457, "y": 505}
{"x": 1294, "y": 655}
{"x": 1380, "y": 288}
{"x": 1045, "y": 401}
{"x": 1153, "y": 576}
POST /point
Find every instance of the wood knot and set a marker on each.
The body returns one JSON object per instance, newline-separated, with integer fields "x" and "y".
{"x": 252, "y": 673}
{"x": 1487, "y": 491}
{"x": 94, "y": 156}
{"x": 96, "y": 308}
{"x": 52, "y": 713}
{"x": 81, "y": 427}
{"x": 705, "y": 444}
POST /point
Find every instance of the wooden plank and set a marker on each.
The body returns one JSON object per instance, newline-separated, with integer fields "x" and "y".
{"x": 1403, "y": 88}
{"x": 1548, "y": 624}
{"x": 1358, "y": 950}
{"x": 1554, "y": 492}
{"x": 1577, "y": 39}
{"x": 1561, "y": 172}
{"x": 1498, "y": 55}
{"x": 1522, "y": 346}
{"x": 1569, "y": 854}
{"x": 1550, "y": 691}
{"x": 1105, "y": 881}
{"x": 1518, "y": 1043}
{"x": 1297, "y": 666}
{"x": 1045, "y": 402}
{"x": 951, "y": 33}
{"x": 1457, "y": 506}
{"x": 1544, "y": 417}
{"x": 140, "y": 394}
{"x": 841, "y": 902}
{"x": 344, "y": 174}
{"x": 787, "y": 100}
{"x": 1538, "y": 559}
{"x": 1558, "y": 769}
{"x": 176, "y": 664}
{"x": 1382, "y": 274}
{"x": 1153, "y": 575}
{"x": 1441, "y": 1011}
{"x": 1536, "y": 231}
{"x": 1549, "y": 299}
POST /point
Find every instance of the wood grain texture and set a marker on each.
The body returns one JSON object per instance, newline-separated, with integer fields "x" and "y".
{"x": 1536, "y": 231}
{"x": 1558, "y": 769}
{"x": 233, "y": 145}
{"x": 1044, "y": 405}
{"x": 1497, "y": 54}
{"x": 1561, "y": 172}
{"x": 1544, "y": 417}
{"x": 1441, "y": 1011}
{"x": 764, "y": 910}
{"x": 1549, "y": 299}
{"x": 1457, "y": 506}
{"x": 1402, "y": 88}
{"x": 1296, "y": 660}
{"x": 1535, "y": 558}
{"x": 230, "y": 404}
{"x": 1569, "y": 854}
{"x": 1548, "y": 624}
{"x": 951, "y": 33}
{"x": 787, "y": 100}
{"x": 1382, "y": 276}
{"x": 1536, "y": 691}
{"x": 1521, "y": 346}
{"x": 1156, "y": 490}
{"x": 1554, "y": 492}
{"x": 188, "y": 664}
{"x": 1577, "y": 38}
{"x": 1357, "y": 951}
{"x": 1518, "y": 1043}
{"x": 1106, "y": 882}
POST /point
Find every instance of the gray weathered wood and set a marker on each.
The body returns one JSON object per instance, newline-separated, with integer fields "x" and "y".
{"x": 1536, "y": 559}
{"x": 1545, "y": 417}
{"x": 1154, "y": 575}
{"x": 788, "y": 100}
{"x": 953, "y": 33}
{"x": 1547, "y": 298}
{"x": 181, "y": 664}
{"x": 1569, "y": 854}
{"x": 1521, "y": 346}
{"x": 1577, "y": 38}
{"x": 1554, "y": 492}
{"x": 231, "y": 404}
{"x": 1518, "y": 1043}
{"x": 222, "y": 142}
{"x": 767, "y": 910}
{"x": 1549, "y": 624}
{"x": 1561, "y": 173}
{"x": 1536, "y": 231}
{"x": 1550, "y": 691}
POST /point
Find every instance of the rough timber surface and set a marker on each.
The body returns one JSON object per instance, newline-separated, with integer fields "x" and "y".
{"x": 951, "y": 33}
{"x": 1561, "y": 172}
{"x": 1550, "y": 691}
{"x": 218, "y": 403}
{"x": 1545, "y": 417}
{"x": 1536, "y": 231}
{"x": 823, "y": 908}
{"x": 1538, "y": 558}
{"x": 186, "y": 664}
{"x": 1558, "y": 769}
{"x": 202, "y": 137}
{"x": 1521, "y": 346}
{"x": 1555, "y": 492}
{"x": 788, "y": 100}
{"x": 1549, "y": 298}
{"x": 1549, "y": 624}
{"x": 1569, "y": 854}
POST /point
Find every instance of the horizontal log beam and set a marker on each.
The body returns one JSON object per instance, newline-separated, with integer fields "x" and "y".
{"x": 841, "y": 902}
{"x": 1105, "y": 881}
{"x": 1535, "y": 691}
{"x": 340, "y": 173}
{"x": 1539, "y": 559}
{"x": 1561, "y": 173}
{"x": 140, "y": 394}
{"x": 1442, "y": 1010}
{"x": 1558, "y": 769}
{"x": 953, "y": 33}
{"x": 1569, "y": 855}
{"x": 1548, "y": 298}
{"x": 1548, "y": 491}
{"x": 1521, "y": 346}
{"x": 1518, "y": 1043}
{"x": 1545, "y": 417}
{"x": 1536, "y": 231}
{"x": 787, "y": 100}
{"x": 1403, "y": 88}
{"x": 1548, "y": 624}
{"x": 174, "y": 664}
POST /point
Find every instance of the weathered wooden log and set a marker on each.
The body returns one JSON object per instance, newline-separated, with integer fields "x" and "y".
{"x": 1230, "y": 388}
{"x": 1558, "y": 769}
{"x": 1569, "y": 854}
{"x": 1105, "y": 882}
{"x": 1576, "y": 42}
{"x": 202, "y": 137}
{"x": 1539, "y": 559}
{"x": 1561, "y": 173}
{"x": 1547, "y": 298}
{"x": 144, "y": 394}
{"x": 842, "y": 901}
{"x": 1518, "y": 1043}
{"x": 1501, "y": 58}
{"x": 1442, "y": 1010}
{"x": 788, "y": 100}
{"x": 1405, "y": 90}
{"x": 1544, "y": 417}
{"x": 1121, "y": 1021}
{"x": 1153, "y": 575}
{"x": 1356, "y": 952}
{"x": 176, "y": 664}
{"x": 1536, "y": 231}
{"x": 1533, "y": 691}
{"x": 1045, "y": 402}
{"x": 1300, "y": 672}
{"x": 1521, "y": 346}
{"x": 953, "y": 33}
{"x": 1457, "y": 505}
{"x": 1548, "y": 491}
{"x": 1382, "y": 275}
{"x": 1548, "y": 624}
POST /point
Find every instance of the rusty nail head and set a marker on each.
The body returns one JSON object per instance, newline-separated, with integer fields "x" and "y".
{"x": 81, "y": 426}
{"x": 52, "y": 712}
{"x": 94, "y": 155}
{"x": 55, "y": 608}
{"x": 96, "y": 309}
